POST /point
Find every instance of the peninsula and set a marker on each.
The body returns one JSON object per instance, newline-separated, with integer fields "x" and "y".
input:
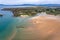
{"x": 31, "y": 11}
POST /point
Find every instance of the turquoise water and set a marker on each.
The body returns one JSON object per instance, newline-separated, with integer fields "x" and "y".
{"x": 6, "y": 27}
{"x": 8, "y": 24}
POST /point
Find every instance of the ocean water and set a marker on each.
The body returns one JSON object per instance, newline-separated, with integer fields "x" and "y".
{"x": 8, "y": 24}
{"x": 6, "y": 27}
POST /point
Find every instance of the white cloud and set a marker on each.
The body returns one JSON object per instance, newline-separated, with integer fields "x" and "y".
{"x": 19, "y": 1}
{"x": 29, "y": 2}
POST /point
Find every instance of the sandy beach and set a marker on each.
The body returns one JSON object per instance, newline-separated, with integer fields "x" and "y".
{"x": 42, "y": 28}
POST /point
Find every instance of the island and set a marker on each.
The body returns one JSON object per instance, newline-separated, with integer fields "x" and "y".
{"x": 32, "y": 11}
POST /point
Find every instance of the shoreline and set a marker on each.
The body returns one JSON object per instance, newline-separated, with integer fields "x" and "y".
{"x": 13, "y": 35}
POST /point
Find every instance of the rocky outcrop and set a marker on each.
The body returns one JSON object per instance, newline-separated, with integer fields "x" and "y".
{"x": 1, "y": 15}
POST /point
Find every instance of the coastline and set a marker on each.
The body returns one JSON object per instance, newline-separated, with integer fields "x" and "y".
{"x": 13, "y": 35}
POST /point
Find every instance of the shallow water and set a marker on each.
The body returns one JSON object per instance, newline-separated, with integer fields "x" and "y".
{"x": 8, "y": 24}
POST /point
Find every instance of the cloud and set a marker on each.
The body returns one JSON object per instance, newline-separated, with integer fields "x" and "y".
{"x": 29, "y": 2}
{"x": 19, "y": 1}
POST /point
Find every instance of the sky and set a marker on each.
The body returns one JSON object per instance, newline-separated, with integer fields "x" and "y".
{"x": 11, "y": 2}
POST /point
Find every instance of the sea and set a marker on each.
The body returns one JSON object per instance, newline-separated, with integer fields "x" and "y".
{"x": 8, "y": 23}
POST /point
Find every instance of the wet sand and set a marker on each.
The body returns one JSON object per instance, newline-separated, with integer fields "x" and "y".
{"x": 42, "y": 28}
{"x": 13, "y": 35}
